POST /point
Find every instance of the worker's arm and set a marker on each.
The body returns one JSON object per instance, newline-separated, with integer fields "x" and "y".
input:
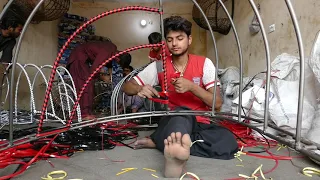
{"x": 141, "y": 84}
{"x": 131, "y": 87}
{"x": 7, "y": 52}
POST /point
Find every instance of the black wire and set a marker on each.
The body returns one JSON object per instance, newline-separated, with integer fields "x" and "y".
{"x": 246, "y": 86}
{"x": 262, "y": 151}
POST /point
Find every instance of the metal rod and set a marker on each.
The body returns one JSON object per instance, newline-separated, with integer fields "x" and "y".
{"x": 171, "y": 113}
{"x": 215, "y": 51}
{"x": 301, "y": 80}
{"x": 161, "y": 19}
{"x": 240, "y": 59}
{"x": 5, "y": 9}
{"x": 14, "y": 62}
{"x": 267, "y": 49}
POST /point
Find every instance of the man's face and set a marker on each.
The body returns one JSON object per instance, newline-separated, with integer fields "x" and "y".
{"x": 126, "y": 71}
{"x": 15, "y": 32}
{"x": 178, "y": 42}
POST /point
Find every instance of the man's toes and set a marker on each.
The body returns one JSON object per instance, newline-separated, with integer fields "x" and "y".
{"x": 173, "y": 137}
{"x": 178, "y": 137}
{"x": 169, "y": 139}
{"x": 166, "y": 143}
{"x": 186, "y": 140}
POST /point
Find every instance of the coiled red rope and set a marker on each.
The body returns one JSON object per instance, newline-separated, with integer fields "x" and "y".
{"x": 56, "y": 63}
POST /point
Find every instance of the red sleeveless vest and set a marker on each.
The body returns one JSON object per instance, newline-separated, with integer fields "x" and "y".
{"x": 194, "y": 73}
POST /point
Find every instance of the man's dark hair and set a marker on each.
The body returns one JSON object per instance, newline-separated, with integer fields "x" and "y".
{"x": 125, "y": 60}
{"x": 10, "y": 21}
{"x": 154, "y": 38}
{"x": 177, "y": 23}
{"x": 130, "y": 68}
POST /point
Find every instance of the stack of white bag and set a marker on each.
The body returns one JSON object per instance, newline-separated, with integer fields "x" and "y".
{"x": 283, "y": 101}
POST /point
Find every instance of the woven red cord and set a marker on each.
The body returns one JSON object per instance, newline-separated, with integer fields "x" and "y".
{"x": 98, "y": 70}
{"x": 56, "y": 63}
{"x": 165, "y": 82}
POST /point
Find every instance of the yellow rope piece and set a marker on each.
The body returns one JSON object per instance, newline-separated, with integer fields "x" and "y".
{"x": 309, "y": 170}
{"x": 126, "y": 170}
{"x": 49, "y": 175}
{"x": 154, "y": 176}
{"x": 147, "y": 169}
{"x": 239, "y": 153}
{"x": 191, "y": 174}
{"x": 281, "y": 146}
{"x": 196, "y": 142}
{"x": 253, "y": 176}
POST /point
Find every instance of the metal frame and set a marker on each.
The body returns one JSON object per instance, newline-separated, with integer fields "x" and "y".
{"x": 300, "y": 144}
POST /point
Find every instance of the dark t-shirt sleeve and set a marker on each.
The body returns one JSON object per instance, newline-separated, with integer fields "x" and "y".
{"x": 7, "y": 52}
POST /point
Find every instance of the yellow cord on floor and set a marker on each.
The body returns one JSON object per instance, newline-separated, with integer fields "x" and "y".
{"x": 239, "y": 153}
{"x": 253, "y": 176}
{"x": 191, "y": 174}
{"x": 309, "y": 170}
{"x": 60, "y": 172}
{"x": 126, "y": 170}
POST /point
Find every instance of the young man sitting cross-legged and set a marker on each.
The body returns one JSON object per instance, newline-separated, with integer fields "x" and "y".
{"x": 192, "y": 89}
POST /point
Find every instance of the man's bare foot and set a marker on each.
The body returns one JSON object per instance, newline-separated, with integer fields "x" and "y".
{"x": 144, "y": 143}
{"x": 176, "y": 153}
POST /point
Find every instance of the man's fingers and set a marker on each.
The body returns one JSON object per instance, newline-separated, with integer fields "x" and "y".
{"x": 141, "y": 95}
{"x": 155, "y": 92}
{"x": 148, "y": 93}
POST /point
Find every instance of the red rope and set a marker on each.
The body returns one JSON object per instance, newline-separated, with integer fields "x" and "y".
{"x": 164, "y": 59}
{"x": 56, "y": 63}
{"x": 98, "y": 70}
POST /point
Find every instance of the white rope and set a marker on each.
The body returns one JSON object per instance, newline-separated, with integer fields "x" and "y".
{"x": 66, "y": 92}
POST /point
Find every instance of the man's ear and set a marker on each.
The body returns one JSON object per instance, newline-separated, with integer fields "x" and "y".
{"x": 190, "y": 40}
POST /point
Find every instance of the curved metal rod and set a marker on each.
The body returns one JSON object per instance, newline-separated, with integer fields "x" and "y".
{"x": 301, "y": 79}
{"x": 14, "y": 62}
{"x": 116, "y": 91}
{"x": 5, "y": 9}
{"x": 216, "y": 55}
{"x": 32, "y": 103}
{"x": 46, "y": 83}
{"x": 65, "y": 89}
{"x": 5, "y": 76}
{"x": 72, "y": 88}
{"x": 268, "y": 61}
{"x": 240, "y": 59}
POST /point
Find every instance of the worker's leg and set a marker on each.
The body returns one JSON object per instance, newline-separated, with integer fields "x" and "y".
{"x": 167, "y": 125}
{"x": 218, "y": 142}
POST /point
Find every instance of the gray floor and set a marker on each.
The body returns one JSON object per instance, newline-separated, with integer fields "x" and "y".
{"x": 93, "y": 165}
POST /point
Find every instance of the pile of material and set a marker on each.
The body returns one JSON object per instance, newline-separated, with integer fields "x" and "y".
{"x": 68, "y": 25}
{"x": 283, "y": 100}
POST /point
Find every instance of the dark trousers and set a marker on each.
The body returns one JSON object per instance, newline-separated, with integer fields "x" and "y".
{"x": 219, "y": 143}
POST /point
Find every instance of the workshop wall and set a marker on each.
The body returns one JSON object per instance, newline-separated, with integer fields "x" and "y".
{"x": 282, "y": 40}
{"x": 124, "y": 28}
{"x": 39, "y": 46}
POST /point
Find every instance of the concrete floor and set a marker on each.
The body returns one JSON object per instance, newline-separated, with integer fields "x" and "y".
{"x": 93, "y": 165}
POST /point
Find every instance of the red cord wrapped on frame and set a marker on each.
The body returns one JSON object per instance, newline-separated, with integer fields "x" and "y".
{"x": 56, "y": 63}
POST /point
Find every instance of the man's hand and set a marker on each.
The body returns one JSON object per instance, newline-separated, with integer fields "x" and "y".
{"x": 182, "y": 85}
{"x": 148, "y": 91}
